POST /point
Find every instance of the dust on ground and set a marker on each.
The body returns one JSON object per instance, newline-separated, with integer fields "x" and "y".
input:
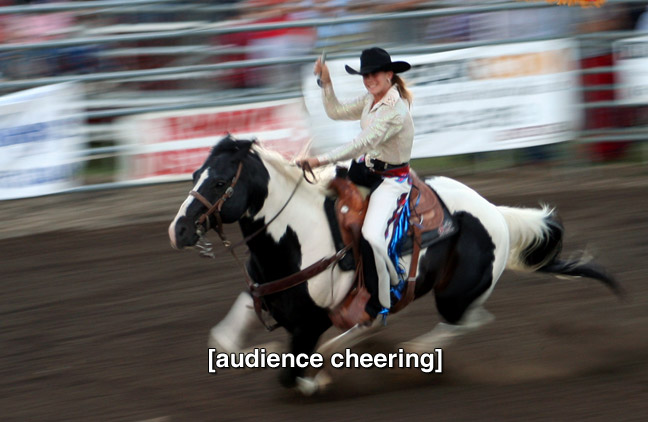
{"x": 103, "y": 321}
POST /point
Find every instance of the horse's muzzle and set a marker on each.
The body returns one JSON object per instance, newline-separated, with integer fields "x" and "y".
{"x": 182, "y": 233}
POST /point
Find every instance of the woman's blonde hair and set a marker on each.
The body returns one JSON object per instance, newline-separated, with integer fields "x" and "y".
{"x": 404, "y": 92}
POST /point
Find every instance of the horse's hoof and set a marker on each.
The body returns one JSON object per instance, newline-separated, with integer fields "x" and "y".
{"x": 444, "y": 334}
{"x": 323, "y": 379}
{"x": 307, "y": 386}
{"x": 426, "y": 343}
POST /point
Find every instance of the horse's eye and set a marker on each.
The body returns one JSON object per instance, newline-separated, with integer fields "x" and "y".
{"x": 220, "y": 184}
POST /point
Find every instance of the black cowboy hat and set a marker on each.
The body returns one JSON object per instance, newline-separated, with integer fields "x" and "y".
{"x": 375, "y": 59}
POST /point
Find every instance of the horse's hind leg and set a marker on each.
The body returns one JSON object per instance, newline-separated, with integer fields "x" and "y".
{"x": 444, "y": 333}
{"x": 479, "y": 264}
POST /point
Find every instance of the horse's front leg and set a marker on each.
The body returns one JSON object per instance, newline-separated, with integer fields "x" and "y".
{"x": 304, "y": 339}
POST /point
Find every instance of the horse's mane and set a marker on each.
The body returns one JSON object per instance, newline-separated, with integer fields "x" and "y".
{"x": 278, "y": 162}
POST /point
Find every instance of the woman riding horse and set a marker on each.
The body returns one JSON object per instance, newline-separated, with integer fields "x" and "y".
{"x": 287, "y": 231}
{"x": 381, "y": 154}
{"x": 284, "y": 225}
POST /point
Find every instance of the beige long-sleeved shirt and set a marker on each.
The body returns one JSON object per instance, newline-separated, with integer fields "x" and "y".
{"x": 387, "y": 128}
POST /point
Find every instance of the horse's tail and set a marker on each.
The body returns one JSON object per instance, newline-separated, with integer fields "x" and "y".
{"x": 536, "y": 236}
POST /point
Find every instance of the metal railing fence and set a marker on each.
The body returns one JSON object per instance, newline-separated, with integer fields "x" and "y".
{"x": 202, "y": 33}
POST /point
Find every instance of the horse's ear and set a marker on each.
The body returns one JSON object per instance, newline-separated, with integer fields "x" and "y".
{"x": 243, "y": 148}
{"x": 246, "y": 145}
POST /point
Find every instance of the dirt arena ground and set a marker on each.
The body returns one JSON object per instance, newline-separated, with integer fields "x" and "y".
{"x": 102, "y": 321}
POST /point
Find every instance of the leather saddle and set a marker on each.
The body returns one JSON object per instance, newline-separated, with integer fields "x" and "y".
{"x": 430, "y": 221}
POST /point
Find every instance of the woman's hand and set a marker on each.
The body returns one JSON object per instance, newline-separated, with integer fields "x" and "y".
{"x": 313, "y": 162}
{"x": 321, "y": 70}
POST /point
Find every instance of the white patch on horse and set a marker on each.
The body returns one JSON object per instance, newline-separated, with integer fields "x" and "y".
{"x": 182, "y": 212}
{"x": 459, "y": 197}
{"x": 305, "y": 215}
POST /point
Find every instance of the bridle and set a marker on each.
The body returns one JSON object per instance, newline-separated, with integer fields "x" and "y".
{"x": 218, "y": 205}
{"x": 216, "y": 208}
{"x": 259, "y": 290}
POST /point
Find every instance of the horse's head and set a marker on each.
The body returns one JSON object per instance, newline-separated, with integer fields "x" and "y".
{"x": 231, "y": 182}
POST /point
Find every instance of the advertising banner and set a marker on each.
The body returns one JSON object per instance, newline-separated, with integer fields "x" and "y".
{"x": 172, "y": 145}
{"x": 40, "y": 138}
{"x": 631, "y": 60}
{"x": 471, "y": 100}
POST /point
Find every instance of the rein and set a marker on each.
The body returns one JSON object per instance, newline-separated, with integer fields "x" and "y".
{"x": 258, "y": 291}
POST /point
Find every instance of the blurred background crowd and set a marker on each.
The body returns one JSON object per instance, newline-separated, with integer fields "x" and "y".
{"x": 40, "y": 43}
{"x": 34, "y": 27}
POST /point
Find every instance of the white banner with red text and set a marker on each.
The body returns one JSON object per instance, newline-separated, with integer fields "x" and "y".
{"x": 40, "y": 140}
{"x": 172, "y": 145}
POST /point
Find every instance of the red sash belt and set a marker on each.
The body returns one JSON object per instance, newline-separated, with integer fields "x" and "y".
{"x": 395, "y": 172}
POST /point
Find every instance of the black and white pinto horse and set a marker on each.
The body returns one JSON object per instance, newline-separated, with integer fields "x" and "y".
{"x": 489, "y": 240}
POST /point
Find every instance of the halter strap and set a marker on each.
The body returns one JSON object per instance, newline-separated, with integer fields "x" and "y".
{"x": 218, "y": 205}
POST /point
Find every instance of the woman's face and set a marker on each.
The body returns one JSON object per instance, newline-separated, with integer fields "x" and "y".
{"x": 378, "y": 83}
